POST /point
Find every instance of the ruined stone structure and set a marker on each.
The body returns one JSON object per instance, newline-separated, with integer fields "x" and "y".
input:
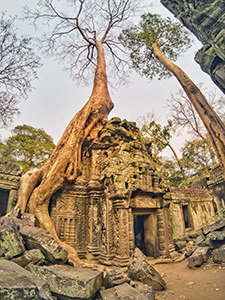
{"x": 9, "y": 183}
{"x": 205, "y": 19}
{"x": 117, "y": 203}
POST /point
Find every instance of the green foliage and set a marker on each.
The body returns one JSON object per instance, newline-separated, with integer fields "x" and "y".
{"x": 157, "y": 135}
{"x": 171, "y": 37}
{"x": 14, "y": 201}
{"x": 196, "y": 157}
{"x": 28, "y": 147}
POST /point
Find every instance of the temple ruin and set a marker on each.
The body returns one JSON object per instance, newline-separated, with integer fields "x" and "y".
{"x": 118, "y": 203}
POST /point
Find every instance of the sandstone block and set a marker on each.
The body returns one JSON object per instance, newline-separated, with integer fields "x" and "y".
{"x": 10, "y": 239}
{"x": 33, "y": 256}
{"x": 122, "y": 292}
{"x": 17, "y": 283}
{"x": 219, "y": 225}
{"x": 37, "y": 238}
{"x": 139, "y": 269}
{"x": 68, "y": 282}
{"x": 199, "y": 257}
{"x": 115, "y": 277}
{"x": 218, "y": 255}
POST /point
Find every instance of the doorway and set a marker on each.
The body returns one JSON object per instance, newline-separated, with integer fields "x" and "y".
{"x": 4, "y": 196}
{"x": 146, "y": 233}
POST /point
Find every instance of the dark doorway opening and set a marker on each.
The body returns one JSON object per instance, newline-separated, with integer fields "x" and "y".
{"x": 4, "y": 196}
{"x": 139, "y": 234}
{"x": 187, "y": 222}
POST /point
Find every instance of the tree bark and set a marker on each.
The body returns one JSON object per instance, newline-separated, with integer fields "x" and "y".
{"x": 64, "y": 165}
{"x": 212, "y": 122}
{"x": 178, "y": 161}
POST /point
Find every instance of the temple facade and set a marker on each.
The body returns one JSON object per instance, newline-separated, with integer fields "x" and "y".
{"x": 117, "y": 203}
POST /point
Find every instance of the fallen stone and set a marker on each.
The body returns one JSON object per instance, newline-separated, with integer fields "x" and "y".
{"x": 199, "y": 257}
{"x": 33, "y": 256}
{"x": 218, "y": 255}
{"x": 191, "y": 247}
{"x": 68, "y": 282}
{"x": 145, "y": 290}
{"x": 10, "y": 239}
{"x": 180, "y": 245}
{"x": 219, "y": 225}
{"x": 17, "y": 283}
{"x": 26, "y": 220}
{"x": 216, "y": 236}
{"x": 200, "y": 239}
{"x": 38, "y": 238}
{"x": 122, "y": 292}
{"x": 139, "y": 269}
{"x": 115, "y": 277}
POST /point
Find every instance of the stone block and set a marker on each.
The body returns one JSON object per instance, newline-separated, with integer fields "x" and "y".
{"x": 216, "y": 236}
{"x": 33, "y": 256}
{"x": 200, "y": 239}
{"x": 219, "y": 225}
{"x": 199, "y": 257}
{"x": 68, "y": 282}
{"x": 17, "y": 283}
{"x": 218, "y": 255}
{"x": 37, "y": 238}
{"x": 10, "y": 240}
{"x": 115, "y": 277}
{"x": 122, "y": 292}
{"x": 139, "y": 269}
{"x": 145, "y": 290}
{"x": 190, "y": 248}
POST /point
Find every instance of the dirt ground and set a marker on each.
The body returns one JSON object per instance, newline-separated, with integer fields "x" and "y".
{"x": 204, "y": 283}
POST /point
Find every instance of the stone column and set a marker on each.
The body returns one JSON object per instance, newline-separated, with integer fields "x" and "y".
{"x": 122, "y": 230}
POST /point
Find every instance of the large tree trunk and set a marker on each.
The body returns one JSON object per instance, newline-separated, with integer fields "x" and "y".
{"x": 64, "y": 165}
{"x": 212, "y": 122}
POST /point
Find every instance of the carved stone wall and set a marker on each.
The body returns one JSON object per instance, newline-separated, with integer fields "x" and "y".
{"x": 9, "y": 183}
{"x": 190, "y": 209}
{"x": 118, "y": 204}
{"x": 205, "y": 19}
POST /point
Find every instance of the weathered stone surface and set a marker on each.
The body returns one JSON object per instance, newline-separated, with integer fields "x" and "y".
{"x": 10, "y": 239}
{"x": 37, "y": 238}
{"x": 68, "y": 282}
{"x": 26, "y": 220}
{"x": 216, "y": 236}
{"x": 219, "y": 225}
{"x": 191, "y": 247}
{"x": 140, "y": 269}
{"x": 200, "y": 239}
{"x": 206, "y": 20}
{"x": 17, "y": 283}
{"x": 218, "y": 255}
{"x": 115, "y": 277}
{"x": 122, "y": 292}
{"x": 180, "y": 245}
{"x": 33, "y": 256}
{"x": 145, "y": 290}
{"x": 199, "y": 257}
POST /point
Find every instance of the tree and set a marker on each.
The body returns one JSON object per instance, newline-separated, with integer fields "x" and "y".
{"x": 18, "y": 67}
{"x": 153, "y": 44}
{"x": 159, "y": 137}
{"x": 86, "y": 36}
{"x": 28, "y": 147}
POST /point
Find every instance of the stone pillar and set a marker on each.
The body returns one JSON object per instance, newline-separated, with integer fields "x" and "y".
{"x": 95, "y": 220}
{"x": 122, "y": 233}
{"x": 12, "y": 195}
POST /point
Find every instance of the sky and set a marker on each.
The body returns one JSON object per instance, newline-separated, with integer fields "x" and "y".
{"x": 56, "y": 98}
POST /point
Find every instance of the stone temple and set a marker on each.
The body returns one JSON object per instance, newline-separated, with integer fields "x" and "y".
{"x": 117, "y": 203}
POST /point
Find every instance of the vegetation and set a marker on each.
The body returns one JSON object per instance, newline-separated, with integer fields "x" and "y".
{"x": 28, "y": 147}
{"x": 153, "y": 44}
{"x": 18, "y": 67}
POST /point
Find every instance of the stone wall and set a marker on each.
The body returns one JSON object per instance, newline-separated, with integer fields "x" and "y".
{"x": 205, "y": 19}
{"x": 9, "y": 183}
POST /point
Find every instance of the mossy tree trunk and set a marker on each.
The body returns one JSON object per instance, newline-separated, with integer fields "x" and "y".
{"x": 212, "y": 122}
{"x": 64, "y": 165}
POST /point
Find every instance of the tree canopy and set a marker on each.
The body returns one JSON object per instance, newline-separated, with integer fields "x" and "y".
{"x": 28, "y": 147}
{"x": 171, "y": 37}
{"x": 18, "y": 67}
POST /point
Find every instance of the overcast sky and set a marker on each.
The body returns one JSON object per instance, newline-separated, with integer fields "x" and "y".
{"x": 56, "y": 98}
